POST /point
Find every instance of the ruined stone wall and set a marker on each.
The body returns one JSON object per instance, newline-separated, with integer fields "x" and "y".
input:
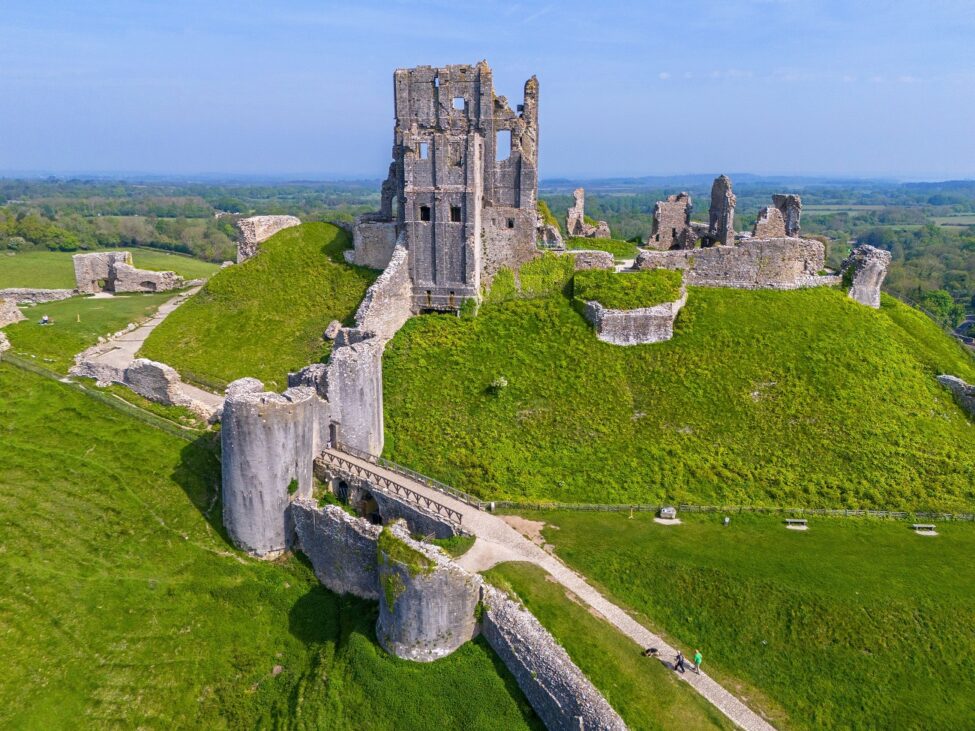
{"x": 637, "y": 326}
{"x": 28, "y": 296}
{"x": 255, "y": 230}
{"x": 671, "y": 221}
{"x": 753, "y": 264}
{"x": 341, "y": 548}
{"x": 559, "y": 692}
{"x": 387, "y": 304}
{"x": 575, "y": 219}
{"x": 721, "y": 215}
{"x": 9, "y": 313}
{"x": 112, "y": 271}
{"x": 591, "y": 259}
{"x": 790, "y": 206}
{"x": 769, "y": 224}
{"x": 267, "y": 444}
{"x": 963, "y": 392}
{"x": 425, "y": 613}
{"x": 373, "y": 243}
{"x": 864, "y": 271}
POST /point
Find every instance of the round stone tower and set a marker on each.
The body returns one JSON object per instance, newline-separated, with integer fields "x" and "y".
{"x": 268, "y": 448}
{"x": 427, "y": 603}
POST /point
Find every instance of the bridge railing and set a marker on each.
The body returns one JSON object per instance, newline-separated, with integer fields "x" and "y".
{"x": 383, "y": 484}
{"x": 415, "y": 476}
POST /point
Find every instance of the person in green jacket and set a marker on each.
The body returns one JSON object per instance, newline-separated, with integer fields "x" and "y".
{"x": 697, "y": 661}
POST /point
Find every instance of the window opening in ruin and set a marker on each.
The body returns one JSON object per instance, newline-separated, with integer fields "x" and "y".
{"x": 424, "y": 213}
{"x": 450, "y": 299}
{"x": 502, "y": 145}
{"x": 333, "y": 436}
{"x": 455, "y": 214}
{"x": 424, "y": 150}
{"x": 436, "y": 81}
{"x": 673, "y": 233}
{"x": 343, "y": 491}
{"x": 511, "y": 223}
{"x": 429, "y": 298}
{"x": 460, "y": 103}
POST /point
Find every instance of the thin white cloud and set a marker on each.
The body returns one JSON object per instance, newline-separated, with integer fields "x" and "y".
{"x": 663, "y": 75}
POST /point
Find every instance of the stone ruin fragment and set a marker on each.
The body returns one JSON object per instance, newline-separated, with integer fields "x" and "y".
{"x": 721, "y": 220}
{"x": 255, "y": 230}
{"x": 112, "y": 271}
{"x": 575, "y": 219}
{"x": 779, "y": 220}
{"x": 672, "y": 227}
{"x": 864, "y": 271}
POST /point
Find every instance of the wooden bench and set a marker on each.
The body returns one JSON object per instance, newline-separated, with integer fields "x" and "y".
{"x": 798, "y": 522}
{"x": 927, "y": 527}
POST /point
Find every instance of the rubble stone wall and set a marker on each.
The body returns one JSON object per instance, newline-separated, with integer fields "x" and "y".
{"x": 27, "y": 296}
{"x": 721, "y": 215}
{"x": 963, "y": 392}
{"x": 769, "y": 224}
{"x": 255, "y": 230}
{"x": 341, "y": 548}
{"x": 9, "y": 313}
{"x": 560, "y": 693}
{"x": 671, "y": 220}
{"x": 864, "y": 271}
{"x": 374, "y": 242}
{"x": 784, "y": 263}
{"x": 634, "y": 327}
{"x": 591, "y": 259}
{"x": 112, "y": 271}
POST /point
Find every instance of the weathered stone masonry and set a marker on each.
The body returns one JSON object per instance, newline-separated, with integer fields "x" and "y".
{"x": 112, "y": 271}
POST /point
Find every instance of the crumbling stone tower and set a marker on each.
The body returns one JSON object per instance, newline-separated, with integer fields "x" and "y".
{"x": 462, "y": 186}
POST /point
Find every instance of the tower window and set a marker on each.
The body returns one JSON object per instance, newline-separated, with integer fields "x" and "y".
{"x": 455, "y": 214}
{"x": 502, "y": 145}
{"x": 424, "y": 213}
{"x": 511, "y": 223}
{"x": 459, "y": 103}
{"x": 424, "y": 150}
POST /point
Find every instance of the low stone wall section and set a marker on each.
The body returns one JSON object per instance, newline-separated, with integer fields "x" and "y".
{"x": 387, "y": 304}
{"x": 266, "y": 462}
{"x": 255, "y": 230}
{"x": 26, "y": 296}
{"x": 341, "y": 548}
{"x": 9, "y": 313}
{"x": 783, "y": 263}
{"x": 963, "y": 392}
{"x": 560, "y": 693}
{"x": 373, "y": 242}
{"x": 425, "y": 613}
{"x": 591, "y": 259}
{"x": 634, "y": 327}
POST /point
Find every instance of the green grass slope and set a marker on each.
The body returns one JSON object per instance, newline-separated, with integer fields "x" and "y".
{"x": 78, "y": 323}
{"x": 800, "y": 398}
{"x": 122, "y": 606}
{"x": 265, "y": 317}
{"x": 855, "y": 623}
{"x": 616, "y": 247}
{"x": 55, "y": 270}
{"x": 642, "y": 691}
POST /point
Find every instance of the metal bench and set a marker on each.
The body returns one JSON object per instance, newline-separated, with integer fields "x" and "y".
{"x": 926, "y": 527}
{"x": 796, "y": 522}
{"x": 668, "y": 513}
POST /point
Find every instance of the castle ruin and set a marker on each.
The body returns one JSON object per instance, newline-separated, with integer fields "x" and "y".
{"x": 461, "y": 190}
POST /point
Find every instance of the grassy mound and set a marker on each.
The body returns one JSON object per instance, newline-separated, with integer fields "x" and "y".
{"x": 265, "y": 317}
{"x": 619, "y": 249}
{"x": 123, "y": 606}
{"x": 761, "y": 397}
{"x": 627, "y": 291}
{"x": 642, "y": 691}
{"x": 855, "y": 623}
{"x": 55, "y": 270}
{"x": 77, "y": 324}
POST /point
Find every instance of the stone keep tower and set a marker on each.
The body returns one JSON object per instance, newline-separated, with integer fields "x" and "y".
{"x": 463, "y": 182}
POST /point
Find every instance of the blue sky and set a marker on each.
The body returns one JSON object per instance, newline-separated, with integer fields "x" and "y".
{"x": 294, "y": 87}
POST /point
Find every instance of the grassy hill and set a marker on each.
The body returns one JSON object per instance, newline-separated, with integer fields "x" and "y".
{"x": 855, "y": 623}
{"x": 123, "y": 606}
{"x": 55, "y": 270}
{"x": 265, "y": 317}
{"x": 800, "y": 398}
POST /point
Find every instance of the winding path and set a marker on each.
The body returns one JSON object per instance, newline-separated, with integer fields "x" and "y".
{"x": 497, "y": 542}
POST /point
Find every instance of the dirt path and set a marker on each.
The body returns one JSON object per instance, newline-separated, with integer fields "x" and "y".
{"x": 497, "y": 541}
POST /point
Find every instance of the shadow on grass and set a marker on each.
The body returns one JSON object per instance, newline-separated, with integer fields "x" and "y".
{"x": 198, "y": 474}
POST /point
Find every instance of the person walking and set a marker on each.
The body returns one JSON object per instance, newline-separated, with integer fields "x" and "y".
{"x": 679, "y": 662}
{"x": 697, "y": 661}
